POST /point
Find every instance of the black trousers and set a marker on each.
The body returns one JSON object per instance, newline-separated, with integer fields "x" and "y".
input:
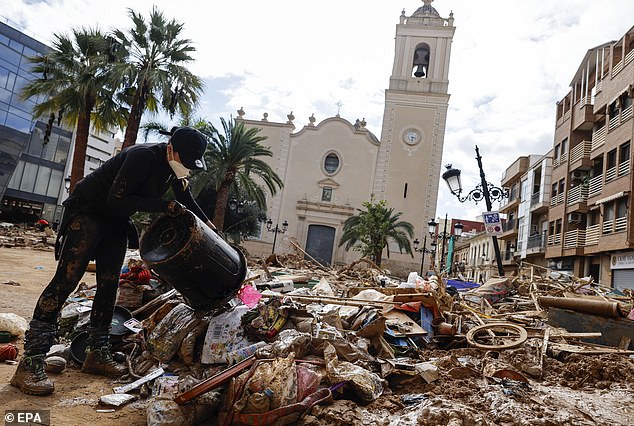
{"x": 88, "y": 236}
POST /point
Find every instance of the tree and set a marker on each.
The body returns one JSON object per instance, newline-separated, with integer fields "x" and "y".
{"x": 233, "y": 161}
{"x": 154, "y": 73}
{"x": 372, "y": 228}
{"x": 77, "y": 84}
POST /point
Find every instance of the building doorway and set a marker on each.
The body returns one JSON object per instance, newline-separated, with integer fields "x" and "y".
{"x": 320, "y": 242}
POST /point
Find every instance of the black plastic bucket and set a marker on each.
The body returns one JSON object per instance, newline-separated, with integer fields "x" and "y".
{"x": 193, "y": 259}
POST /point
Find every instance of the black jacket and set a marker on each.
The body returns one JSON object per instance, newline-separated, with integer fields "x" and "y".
{"x": 135, "y": 180}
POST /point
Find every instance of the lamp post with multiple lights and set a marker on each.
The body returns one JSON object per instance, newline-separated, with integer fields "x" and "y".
{"x": 483, "y": 191}
{"x": 276, "y": 230}
{"x": 431, "y": 229}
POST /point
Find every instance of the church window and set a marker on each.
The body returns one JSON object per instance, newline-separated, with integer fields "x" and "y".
{"x": 326, "y": 195}
{"x": 331, "y": 163}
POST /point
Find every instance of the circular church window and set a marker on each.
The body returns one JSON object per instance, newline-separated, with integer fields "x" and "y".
{"x": 331, "y": 163}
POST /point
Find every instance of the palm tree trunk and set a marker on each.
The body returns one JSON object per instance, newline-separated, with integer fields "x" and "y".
{"x": 378, "y": 256}
{"x": 134, "y": 119}
{"x": 221, "y": 204}
{"x": 81, "y": 145}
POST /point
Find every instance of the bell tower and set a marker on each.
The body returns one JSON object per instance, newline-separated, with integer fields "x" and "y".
{"x": 416, "y": 103}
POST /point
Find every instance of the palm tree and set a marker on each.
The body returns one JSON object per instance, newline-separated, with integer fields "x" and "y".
{"x": 233, "y": 160}
{"x": 77, "y": 84}
{"x": 154, "y": 73}
{"x": 371, "y": 229}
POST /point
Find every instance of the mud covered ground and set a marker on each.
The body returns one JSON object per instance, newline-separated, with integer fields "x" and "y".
{"x": 580, "y": 390}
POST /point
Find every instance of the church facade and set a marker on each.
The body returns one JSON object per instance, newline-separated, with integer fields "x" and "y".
{"x": 332, "y": 167}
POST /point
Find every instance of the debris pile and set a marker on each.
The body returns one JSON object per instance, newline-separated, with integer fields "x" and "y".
{"x": 306, "y": 344}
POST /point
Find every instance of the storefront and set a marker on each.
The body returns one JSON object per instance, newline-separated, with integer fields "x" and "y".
{"x": 622, "y": 266}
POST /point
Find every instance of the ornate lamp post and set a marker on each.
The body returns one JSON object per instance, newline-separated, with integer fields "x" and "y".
{"x": 276, "y": 230}
{"x": 431, "y": 229}
{"x": 483, "y": 191}
{"x": 444, "y": 236}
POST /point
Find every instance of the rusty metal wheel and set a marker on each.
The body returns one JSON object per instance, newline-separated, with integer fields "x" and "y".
{"x": 497, "y": 336}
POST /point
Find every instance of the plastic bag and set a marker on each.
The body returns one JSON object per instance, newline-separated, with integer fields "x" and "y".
{"x": 167, "y": 336}
{"x": 14, "y": 324}
{"x": 366, "y": 384}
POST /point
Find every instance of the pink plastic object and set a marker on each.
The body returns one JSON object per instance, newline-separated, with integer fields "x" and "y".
{"x": 249, "y": 296}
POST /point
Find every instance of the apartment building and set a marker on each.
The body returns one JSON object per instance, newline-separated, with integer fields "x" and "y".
{"x": 590, "y": 213}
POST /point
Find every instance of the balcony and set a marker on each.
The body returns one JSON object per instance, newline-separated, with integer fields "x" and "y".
{"x": 615, "y": 225}
{"x": 580, "y": 155}
{"x": 538, "y": 205}
{"x": 610, "y": 174}
{"x": 554, "y": 240}
{"x": 584, "y": 114}
{"x": 578, "y": 194}
{"x": 575, "y": 239}
{"x": 592, "y": 234}
{"x": 511, "y": 204}
{"x": 598, "y": 138}
{"x": 595, "y": 186}
{"x": 536, "y": 244}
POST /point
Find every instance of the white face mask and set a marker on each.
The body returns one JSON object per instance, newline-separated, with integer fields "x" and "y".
{"x": 179, "y": 170}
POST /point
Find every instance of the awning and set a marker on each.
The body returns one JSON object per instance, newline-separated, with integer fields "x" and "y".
{"x": 611, "y": 197}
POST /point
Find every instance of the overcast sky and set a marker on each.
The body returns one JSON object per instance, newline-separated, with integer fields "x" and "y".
{"x": 511, "y": 61}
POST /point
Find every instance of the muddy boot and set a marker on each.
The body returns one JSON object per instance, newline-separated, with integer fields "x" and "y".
{"x": 31, "y": 378}
{"x": 99, "y": 361}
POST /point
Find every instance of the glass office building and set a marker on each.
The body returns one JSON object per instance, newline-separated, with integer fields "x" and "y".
{"x": 31, "y": 171}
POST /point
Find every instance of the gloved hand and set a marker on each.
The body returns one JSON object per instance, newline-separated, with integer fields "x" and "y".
{"x": 174, "y": 208}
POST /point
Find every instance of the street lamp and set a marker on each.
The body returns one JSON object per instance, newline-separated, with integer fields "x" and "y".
{"x": 483, "y": 191}
{"x": 67, "y": 183}
{"x": 444, "y": 236}
{"x": 276, "y": 230}
{"x": 431, "y": 229}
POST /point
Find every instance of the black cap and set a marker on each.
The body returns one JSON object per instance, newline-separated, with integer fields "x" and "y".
{"x": 190, "y": 145}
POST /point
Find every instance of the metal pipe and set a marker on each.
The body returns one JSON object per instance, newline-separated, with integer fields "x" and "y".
{"x": 577, "y": 304}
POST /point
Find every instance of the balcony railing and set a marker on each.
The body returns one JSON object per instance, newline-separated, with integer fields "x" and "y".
{"x": 615, "y": 225}
{"x": 617, "y": 68}
{"x": 557, "y": 199}
{"x": 624, "y": 167}
{"x": 610, "y": 174}
{"x": 595, "y": 185}
{"x": 592, "y": 234}
{"x": 554, "y": 239}
{"x": 629, "y": 57}
{"x": 536, "y": 241}
{"x": 613, "y": 123}
{"x": 626, "y": 114}
{"x": 581, "y": 151}
{"x": 509, "y": 225}
{"x": 534, "y": 199}
{"x": 578, "y": 194}
{"x": 598, "y": 137}
{"x": 574, "y": 239}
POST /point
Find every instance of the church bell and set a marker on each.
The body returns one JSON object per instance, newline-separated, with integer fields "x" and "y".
{"x": 421, "y": 61}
